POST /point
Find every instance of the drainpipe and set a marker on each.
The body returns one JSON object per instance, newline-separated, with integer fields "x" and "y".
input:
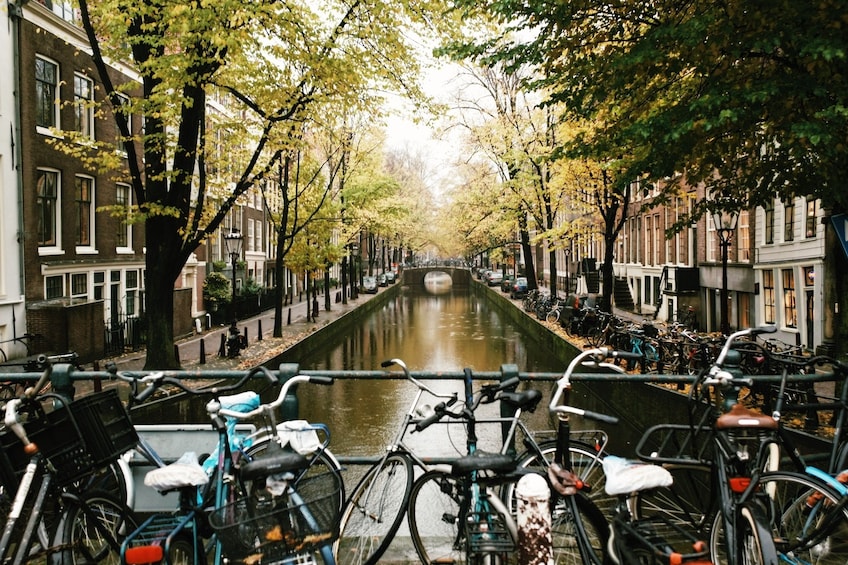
{"x": 16, "y": 16}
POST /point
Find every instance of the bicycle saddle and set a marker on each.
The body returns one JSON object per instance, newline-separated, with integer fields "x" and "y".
{"x": 527, "y": 400}
{"x": 741, "y": 417}
{"x": 483, "y": 461}
{"x": 278, "y": 462}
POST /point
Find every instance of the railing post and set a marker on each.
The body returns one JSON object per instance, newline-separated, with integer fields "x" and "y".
{"x": 534, "y": 521}
{"x": 508, "y": 371}
{"x": 291, "y": 408}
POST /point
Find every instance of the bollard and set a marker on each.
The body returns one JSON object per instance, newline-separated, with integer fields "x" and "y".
{"x": 202, "y": 352}
{"x": 289, "y": 322}
{"x": 244, "y": 341}
{"x": 177, "y": 353}
{"x": 259, "y": 331}
{"x": 534, "y": 521}
{"x": 222, "y": 351}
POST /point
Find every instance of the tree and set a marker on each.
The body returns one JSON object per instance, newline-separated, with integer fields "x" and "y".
{"x": 277, "y": 63}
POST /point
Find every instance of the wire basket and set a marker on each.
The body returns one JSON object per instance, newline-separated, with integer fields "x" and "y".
{"x": 486, "y": 533}
{"x": 274, "y": 528}
{"x": 77, "y": 439}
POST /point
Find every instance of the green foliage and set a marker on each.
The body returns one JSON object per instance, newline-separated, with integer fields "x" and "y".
{"x": 217, "y": 289}
{"x": 218, "y": 266}
{"x": 748, "y": 97}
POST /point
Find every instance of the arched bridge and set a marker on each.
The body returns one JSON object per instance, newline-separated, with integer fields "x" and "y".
{"x": 460, "y": 276}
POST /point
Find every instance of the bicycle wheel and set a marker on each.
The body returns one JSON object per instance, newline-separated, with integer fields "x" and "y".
{"x": 436, "y": 510}
{"x": 321, "y": 462}
{"x": 92, "y": 532}
{"x": 374, "y": 511}
{"x": 688, "y": 505}
{"x": 585, "y": 463}
{"x": 553, "y": 316}
{"x": 756, "y": 546}
{"x": 806, "y": 521}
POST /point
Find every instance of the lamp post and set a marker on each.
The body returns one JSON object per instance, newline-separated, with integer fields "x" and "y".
{"x": 724, "y": 220}
{"x": 232, "y": 242}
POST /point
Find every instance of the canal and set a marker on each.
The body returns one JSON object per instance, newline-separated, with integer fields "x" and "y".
{"x": 447, "y": 331}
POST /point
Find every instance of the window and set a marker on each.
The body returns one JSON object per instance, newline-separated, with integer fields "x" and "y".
{"x": 124, "y": 110}
{"x": 768, "y": 224}
{"x": 250, "y": 231}
{"x": 46, "y": 93}
{"x": 257, "y": 238}
{"x": 743, "y": 233}
{"x": 47, "y": 205}
{"x": 768, "y": 297}
{"x": 84, "y": 106}
{"x": 84, "y": 198}
{"x": 713, "y": 253}
{"x": 123, "y": 237}
{"x": 789, "y": 220}
{"x": 99, "y": 282}
{"x": 53, "y": 287}
{"x": 132, "y": 291}
{"x": 790, "y": 316}
{"x": 79, "y": 285}
{"x": 810, "y": 219}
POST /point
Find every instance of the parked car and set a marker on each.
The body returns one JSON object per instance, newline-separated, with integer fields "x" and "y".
{"x": 506, "y": 283}
{"x": 495, "y": 278}
{"x": 382, "y": 280}
{"x": 369, "y": 285}
{"x": 519, "y": 288}
{"x": 390, "y": 277}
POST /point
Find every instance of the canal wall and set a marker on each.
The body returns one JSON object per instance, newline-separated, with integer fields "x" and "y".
{"x": 328, "y": 333}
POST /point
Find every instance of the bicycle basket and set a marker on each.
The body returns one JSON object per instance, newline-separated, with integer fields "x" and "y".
{"x": 286, "y": 525}
{"x": 77, "y": 439}
{"x": 675, "y": 443}
{"x": 486, "y": 533}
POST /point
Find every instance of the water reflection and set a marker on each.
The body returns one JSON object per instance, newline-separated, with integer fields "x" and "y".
{"x": 430, "y": 332}
{"x": 437, "y": 282}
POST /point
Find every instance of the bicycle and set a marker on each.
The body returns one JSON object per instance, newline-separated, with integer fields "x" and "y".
{"x": 266, "y": 501}
{"x": 626, "y": 539}
{"x": 376, "y": 506}
{"x": 49, "y": 457}
{"x": 727, "y": 485}
{"x": 455, "y": 514}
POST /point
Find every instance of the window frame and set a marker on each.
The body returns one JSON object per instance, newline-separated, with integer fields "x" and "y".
{"x": 789, "y": 220}
{"x": 84, "y": 106}
{"x": 768, "y": 223}
{"x": 769, "y": 306}
{"x": 47, "y": 103}
{"x": 811, "y": 215}
{"x": 790, "y": 298}
{"x": 48, "y": 245}
{"x": 81, "y": 206}
{"x": 123, "y": 233}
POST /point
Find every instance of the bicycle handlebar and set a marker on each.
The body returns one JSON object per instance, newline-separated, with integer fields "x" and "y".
{"x": 284, "y": 390}
{"x": 452, "y": 397}
{"x": 485, "y": 395}
{"x": 592, "y": 357}
{"x": 741, "y": 333}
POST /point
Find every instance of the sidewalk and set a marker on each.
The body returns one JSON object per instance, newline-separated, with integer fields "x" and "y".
{"x": 258, "y": 350}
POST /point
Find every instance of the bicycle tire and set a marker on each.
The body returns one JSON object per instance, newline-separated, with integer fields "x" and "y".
{"x": 756, "y": 543}
{"x": 585, "y": 463}
{"x": 552, "y": 317}
{"x": 797, "y": 521}
{"x": 435, "y": 514}
{"x": 80, "y": 542}
{"x": 374, "y": 511}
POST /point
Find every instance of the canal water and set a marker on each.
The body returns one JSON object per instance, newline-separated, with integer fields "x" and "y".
{"x": 445, "y": 331}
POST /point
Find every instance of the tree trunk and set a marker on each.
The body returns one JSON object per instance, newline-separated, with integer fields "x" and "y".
{"x": 607, "y": 273}
{"x": 162, "y": 247}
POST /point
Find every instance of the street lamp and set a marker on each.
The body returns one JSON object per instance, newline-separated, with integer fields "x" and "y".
{"x": 724, "y": 220}
{"x": 232, "y": 242}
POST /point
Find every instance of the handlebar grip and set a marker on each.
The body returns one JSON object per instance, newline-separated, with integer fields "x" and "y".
{"x": 625, "y": 355}
{"x": 321, "y": 380}
{"x": 387, "y": 363}
{"x": 145, "y": 394}
{"x": 438, "y": 413}
{"x": 597, "y": 416}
